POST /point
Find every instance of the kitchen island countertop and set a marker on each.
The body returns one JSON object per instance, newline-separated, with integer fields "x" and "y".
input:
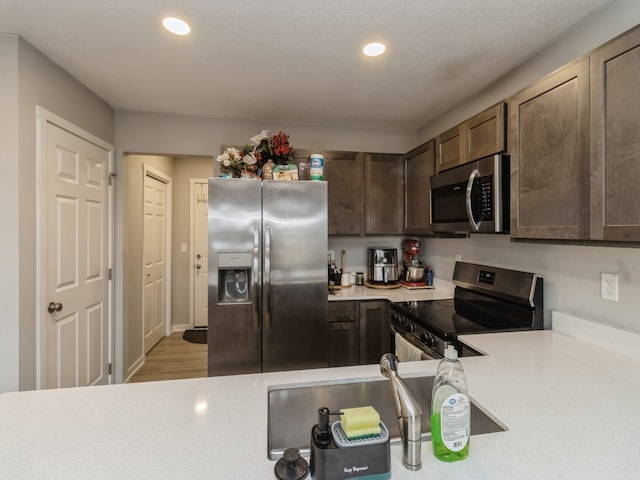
{"x": 570, "y": 408}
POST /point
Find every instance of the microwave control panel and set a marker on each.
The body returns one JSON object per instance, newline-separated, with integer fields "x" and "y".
{"x": 485, "y": 200}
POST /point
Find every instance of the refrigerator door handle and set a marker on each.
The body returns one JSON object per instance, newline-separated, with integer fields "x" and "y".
{"x": 266, "y": 294}
{"x": 255, "y": 278}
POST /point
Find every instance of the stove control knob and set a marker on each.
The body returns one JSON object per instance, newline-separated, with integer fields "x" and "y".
{"x": 410, "y": 328}
{"x": 428, "y": 340}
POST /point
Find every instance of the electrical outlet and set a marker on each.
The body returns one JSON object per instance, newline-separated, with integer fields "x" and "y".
{"x": 609, "y": 286}
{"x": 458, "y": 258}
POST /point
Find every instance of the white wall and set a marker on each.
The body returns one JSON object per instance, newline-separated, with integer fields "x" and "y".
{"x": 138, "y": 132}
{"x": 29, "y": 79}
{"x": 9, "y": 215}
{"x": 571, "y": 273}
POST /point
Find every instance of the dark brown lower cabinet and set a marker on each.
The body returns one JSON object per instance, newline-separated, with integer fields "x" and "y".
{"x": 343, "y": 334}
{"x": 358, "y": 332}
{"x": 374, "y": 331}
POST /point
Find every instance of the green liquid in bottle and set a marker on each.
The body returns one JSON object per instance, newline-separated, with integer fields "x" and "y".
{"x": 440, "y": 450}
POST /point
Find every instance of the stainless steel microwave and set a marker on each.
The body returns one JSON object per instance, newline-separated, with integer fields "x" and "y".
{"x": 472, "y": 198}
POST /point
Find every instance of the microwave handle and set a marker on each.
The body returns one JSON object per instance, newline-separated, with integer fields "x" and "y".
{"x": 474, "y": 175}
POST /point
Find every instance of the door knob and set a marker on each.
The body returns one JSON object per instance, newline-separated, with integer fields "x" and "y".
{"x": 198, "y": 266}
{"x": 54, "y": 307}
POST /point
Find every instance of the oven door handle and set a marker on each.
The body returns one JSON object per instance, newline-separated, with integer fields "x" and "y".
{"x": 472, "y": 178}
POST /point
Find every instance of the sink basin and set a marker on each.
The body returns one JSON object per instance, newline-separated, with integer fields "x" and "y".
{"x": 294, "y": 410}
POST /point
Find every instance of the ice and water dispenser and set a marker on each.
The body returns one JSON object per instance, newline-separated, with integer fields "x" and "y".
{"x": 234, "y": 277}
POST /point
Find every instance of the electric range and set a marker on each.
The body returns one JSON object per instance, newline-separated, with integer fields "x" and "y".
{"x": 486, "y": 299}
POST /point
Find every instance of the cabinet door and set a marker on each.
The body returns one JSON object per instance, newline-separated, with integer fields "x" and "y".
{"x": 449, "y": 149}
{"x": 384, "y": 194}
{"x": 549, "y": 131}
{"x": 344, "y": 173}
{"x": 484, "y": 133}
{"x": 343, "y": 334}
{"x": 418, "y": 169}
{"x": 615, "y": 154}
{"x": 374, "y": 331}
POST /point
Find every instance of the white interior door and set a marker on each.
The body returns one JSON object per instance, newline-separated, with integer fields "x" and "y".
{"x": 154, "y": 260}
{"x": 199, "y": 251}
{"x": 74, "y": 285}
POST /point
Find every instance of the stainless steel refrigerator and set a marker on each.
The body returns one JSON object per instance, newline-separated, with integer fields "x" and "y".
{"x": 267, "y": 276}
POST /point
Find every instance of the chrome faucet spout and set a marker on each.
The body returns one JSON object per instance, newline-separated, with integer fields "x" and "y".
{"x": 409, "y": 413}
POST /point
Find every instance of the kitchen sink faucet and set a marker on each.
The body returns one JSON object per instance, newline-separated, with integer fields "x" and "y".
{"x": 409, "y": 413}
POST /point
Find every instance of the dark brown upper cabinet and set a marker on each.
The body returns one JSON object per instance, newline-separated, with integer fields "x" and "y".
{"x": 480, "y": 136}
{"x": 343, "y": 172}
{"x": 615, "y": 139}
{"x": 575, "y": 149}
{"x": 449, "y": 149}
{"x": 365, "y": 193}
{"x": 549, "y": 147}
{"x": 419, "y": 166}
{"x": 384, "y": 194}
{"x": 484, "y": 134}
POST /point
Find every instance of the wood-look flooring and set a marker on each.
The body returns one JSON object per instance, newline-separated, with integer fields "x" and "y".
{"x": 172, "y": 359}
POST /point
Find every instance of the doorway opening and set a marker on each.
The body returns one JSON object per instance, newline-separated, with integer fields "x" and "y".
{"x": 139, "y": 292}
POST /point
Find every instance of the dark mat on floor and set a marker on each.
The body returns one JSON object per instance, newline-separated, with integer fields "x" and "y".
{"x": 195, "y": 336}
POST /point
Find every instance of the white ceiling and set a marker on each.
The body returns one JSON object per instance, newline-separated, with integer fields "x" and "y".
{"x": 292, "y": 60}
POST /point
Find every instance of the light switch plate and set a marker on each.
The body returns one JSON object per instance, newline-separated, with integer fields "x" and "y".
{"x": 183, "y": 248}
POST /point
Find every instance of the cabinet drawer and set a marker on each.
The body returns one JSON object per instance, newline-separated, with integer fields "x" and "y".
{"x": 340, "y": 312}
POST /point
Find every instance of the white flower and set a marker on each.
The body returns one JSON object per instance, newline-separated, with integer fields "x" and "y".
{"x": 256, "y": 139}
{"x": 249, "y": 158}
{"x": 233, "y": 152}
{"x": 221, "y": 158}
{"x": 226, "y": 162}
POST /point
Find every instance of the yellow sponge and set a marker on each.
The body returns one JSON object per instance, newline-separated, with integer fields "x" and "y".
{"x": 360, "y": 422}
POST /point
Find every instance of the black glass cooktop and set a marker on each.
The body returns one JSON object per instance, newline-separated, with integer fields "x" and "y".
{"x": 450, "y": 318}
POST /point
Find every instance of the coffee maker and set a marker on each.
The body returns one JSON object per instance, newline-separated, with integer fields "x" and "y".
{"x": 383, "y": 266}
{"x": 414, "y": 273}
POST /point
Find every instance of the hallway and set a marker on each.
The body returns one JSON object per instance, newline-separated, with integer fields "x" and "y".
{"x": 172, "y": 359}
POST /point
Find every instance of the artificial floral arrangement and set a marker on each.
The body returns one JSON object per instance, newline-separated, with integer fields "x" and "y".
{"x": 260, "y": 149}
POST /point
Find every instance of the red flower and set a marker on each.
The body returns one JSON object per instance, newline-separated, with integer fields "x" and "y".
{"x": 281, "y": 144}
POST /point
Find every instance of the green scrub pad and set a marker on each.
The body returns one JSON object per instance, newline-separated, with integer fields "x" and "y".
{"x": 360, "y": 422}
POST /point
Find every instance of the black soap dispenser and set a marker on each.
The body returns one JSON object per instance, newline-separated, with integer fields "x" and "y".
{"x": 334, "y": 457}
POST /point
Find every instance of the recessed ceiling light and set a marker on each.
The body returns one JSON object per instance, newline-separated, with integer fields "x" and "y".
{"x": 374, "y": 49}
{"x": 177, "y": 26}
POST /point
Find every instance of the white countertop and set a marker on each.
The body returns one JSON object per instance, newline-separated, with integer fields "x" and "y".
{"x": 571, "y": 408}
{"x": 443, "y": 290}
